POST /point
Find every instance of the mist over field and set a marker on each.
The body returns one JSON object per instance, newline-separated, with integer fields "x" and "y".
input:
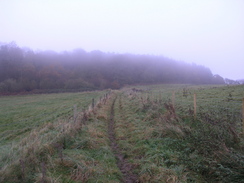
{"x": 24, "y": 70}
{"x": 208, "y": 33}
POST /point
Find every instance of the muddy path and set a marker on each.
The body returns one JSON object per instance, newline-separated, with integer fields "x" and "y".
{"x": 124, "y": 166}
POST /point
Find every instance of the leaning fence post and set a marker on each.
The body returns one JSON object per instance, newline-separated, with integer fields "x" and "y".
{"x": 195, "y": 106}
{"x": 243, "y": 114}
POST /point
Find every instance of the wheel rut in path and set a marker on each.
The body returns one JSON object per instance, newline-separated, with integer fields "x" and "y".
{"x": 123, "y": 165}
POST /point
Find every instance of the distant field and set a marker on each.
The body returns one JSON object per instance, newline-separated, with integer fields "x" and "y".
{"x": 146, "y": 133}
{"x": 28, "y": 111}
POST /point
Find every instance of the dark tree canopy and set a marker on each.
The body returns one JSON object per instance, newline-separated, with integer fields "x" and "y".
{"x": 26, "y": 70}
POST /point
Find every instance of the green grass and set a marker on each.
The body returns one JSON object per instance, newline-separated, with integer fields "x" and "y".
{"x": 165, "y": 146}
{"x": 30, "y": 110}
{"x": 20, "y": 114}
{"x": 45, "y": 129}
{"x": 161, "y": 143}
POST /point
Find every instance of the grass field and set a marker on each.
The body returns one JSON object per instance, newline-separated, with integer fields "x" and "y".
{"x": 166, "y": 143}
{"x": 21, "y": 116}
{"x": 156, "y": 136}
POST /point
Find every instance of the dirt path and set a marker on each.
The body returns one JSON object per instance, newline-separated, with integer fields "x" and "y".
{"x": 124, "y": 166}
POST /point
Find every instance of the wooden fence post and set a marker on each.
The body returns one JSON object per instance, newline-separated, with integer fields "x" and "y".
{"x": 75, "y": 113}
{"x": 93, "y": 103}
{"x": 43, "y": 167}
{"x": 243, "y": 114}
{"x": 195, "y": 106}
{"x": 22, "y": 164}
{"x": 173, "y": 99}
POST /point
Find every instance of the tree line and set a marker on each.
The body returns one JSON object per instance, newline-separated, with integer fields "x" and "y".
{"x": 22, "y": 69}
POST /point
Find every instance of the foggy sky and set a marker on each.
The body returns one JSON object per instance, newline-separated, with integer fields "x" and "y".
{"x": 206, "y": 32}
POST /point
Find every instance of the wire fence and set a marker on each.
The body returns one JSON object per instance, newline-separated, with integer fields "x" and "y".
{"x": 220, "y": 105}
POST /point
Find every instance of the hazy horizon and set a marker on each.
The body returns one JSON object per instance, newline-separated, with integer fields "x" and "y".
{"x": 208, "y": 33}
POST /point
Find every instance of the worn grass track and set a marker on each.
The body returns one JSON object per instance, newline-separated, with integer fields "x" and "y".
{"x": 124, "y": 166}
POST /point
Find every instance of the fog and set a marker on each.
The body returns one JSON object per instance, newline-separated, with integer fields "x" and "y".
{"x": 209, "y": 32}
